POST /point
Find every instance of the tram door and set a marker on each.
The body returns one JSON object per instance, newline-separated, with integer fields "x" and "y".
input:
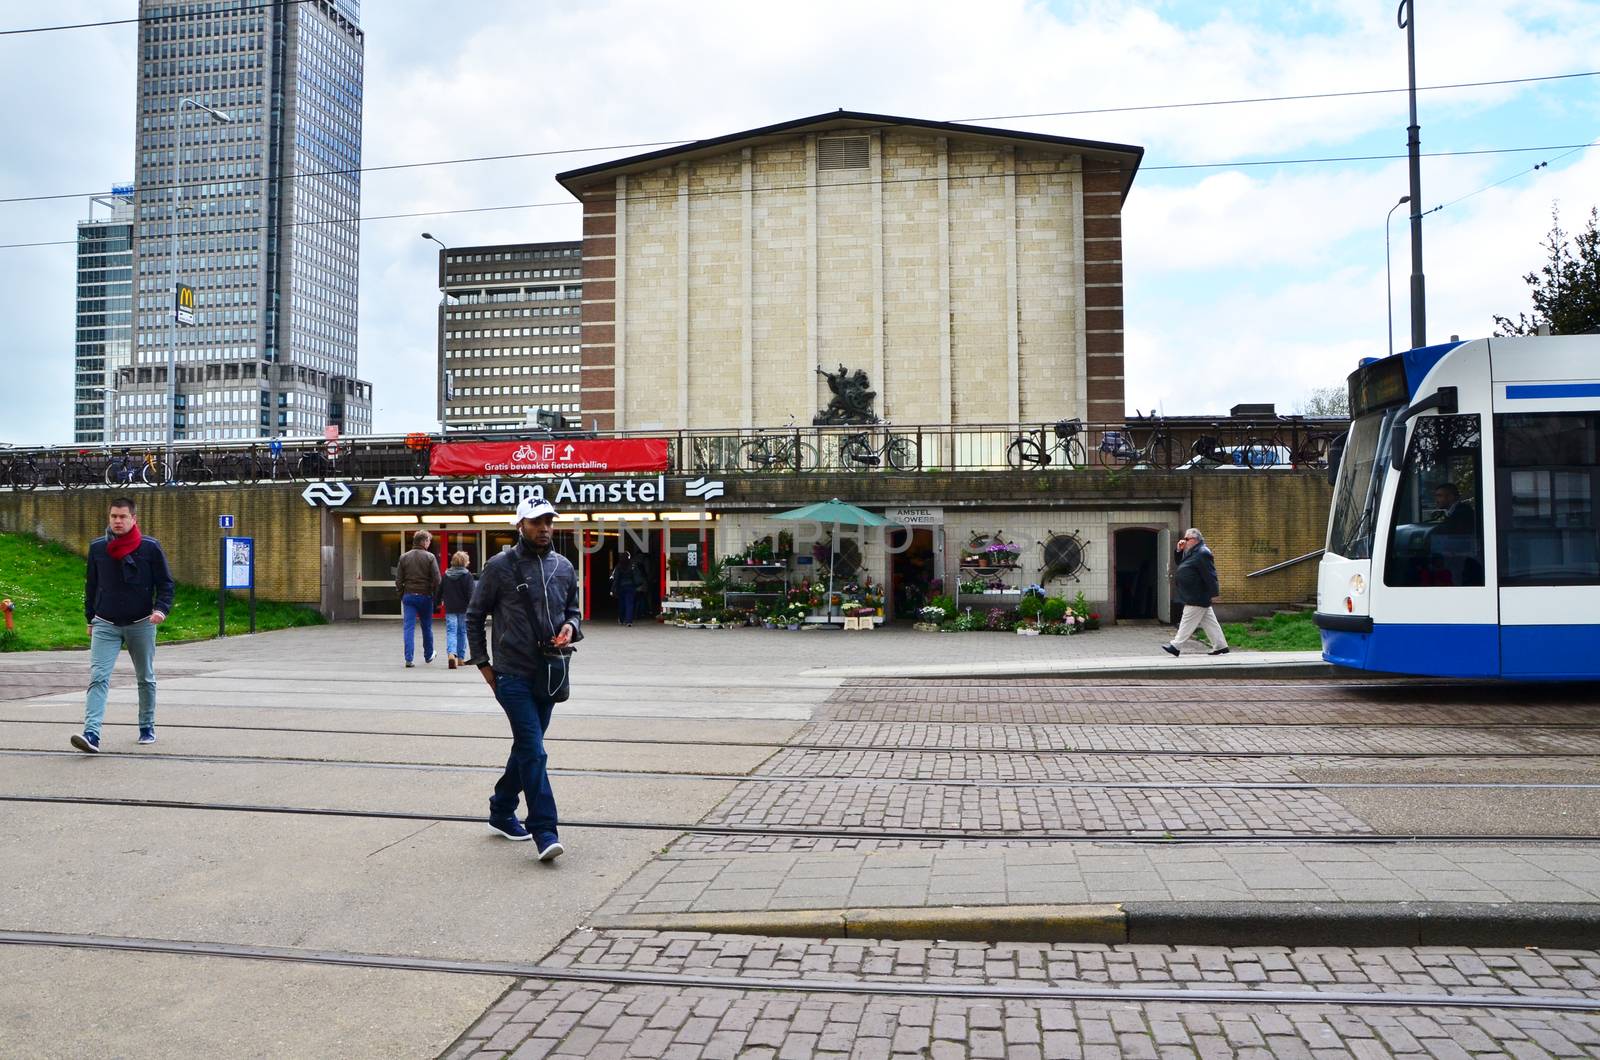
{"x": 1547, "y": 464}
{"x": 1437, "y": 603}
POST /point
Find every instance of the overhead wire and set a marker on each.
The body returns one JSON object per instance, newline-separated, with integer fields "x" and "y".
{"x": 141, "y": 19}
{"x": 513, "y": 156}
{"x": 711, "y": 192}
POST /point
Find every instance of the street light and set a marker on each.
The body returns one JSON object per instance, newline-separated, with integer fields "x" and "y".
{"x": 444, "y": 375}
{"x": 108, "y": 413}
{"x": 172, "y": 261}
{"x": 1388, "y": 283}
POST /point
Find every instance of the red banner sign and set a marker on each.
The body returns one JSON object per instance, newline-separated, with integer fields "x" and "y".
{"x": 556, "y": 456}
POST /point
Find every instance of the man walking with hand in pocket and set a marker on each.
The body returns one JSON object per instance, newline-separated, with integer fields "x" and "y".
{"x": 531, "y": 591}
{"x": 127, "y": 593}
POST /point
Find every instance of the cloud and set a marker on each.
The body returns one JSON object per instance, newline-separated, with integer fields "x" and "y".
{"x": 1270, "y": 278}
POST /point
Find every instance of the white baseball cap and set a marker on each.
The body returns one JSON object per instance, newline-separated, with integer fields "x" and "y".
{"x": 533, "y": 510}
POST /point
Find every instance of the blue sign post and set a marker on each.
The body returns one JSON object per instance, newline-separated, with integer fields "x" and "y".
{"x": 236, "y": 570}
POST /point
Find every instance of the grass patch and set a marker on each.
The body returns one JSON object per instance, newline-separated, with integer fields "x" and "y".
{"x": 45, "y": 582}
{"x": 1291, "y": 632}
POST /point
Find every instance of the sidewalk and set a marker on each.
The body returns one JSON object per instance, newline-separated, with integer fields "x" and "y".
{"x": 1202, "y": 894}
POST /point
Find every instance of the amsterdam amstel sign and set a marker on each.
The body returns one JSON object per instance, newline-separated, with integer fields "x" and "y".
{"x": 493, "y": 493}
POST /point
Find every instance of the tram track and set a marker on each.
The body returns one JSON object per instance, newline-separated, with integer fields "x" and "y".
{"x": 1166, "y": 837}
{"x": 778, "y": 745}
{"x": 679, "y": 979}
{"x": 829, "y": 778}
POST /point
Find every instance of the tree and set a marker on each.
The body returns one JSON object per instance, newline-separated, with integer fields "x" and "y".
{"x": 1566, "y": 292}
{"x": 1326, "y": 401}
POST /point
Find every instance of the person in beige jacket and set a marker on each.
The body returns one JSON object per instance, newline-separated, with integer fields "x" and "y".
{"x": 417, "y": 578}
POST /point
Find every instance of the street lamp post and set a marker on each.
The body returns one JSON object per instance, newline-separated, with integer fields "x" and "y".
{"x": 444, "y": 374}
{"x": 172, "y": 268}
{"x": 1407, "y": 18}
{"x": 1388, "y": 282}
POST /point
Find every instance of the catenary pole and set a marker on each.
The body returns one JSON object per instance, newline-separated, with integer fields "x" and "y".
{"x": 1407, "y": 18}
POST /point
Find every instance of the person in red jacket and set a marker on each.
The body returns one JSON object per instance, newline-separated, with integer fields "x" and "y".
{"x": 127, "y": 594}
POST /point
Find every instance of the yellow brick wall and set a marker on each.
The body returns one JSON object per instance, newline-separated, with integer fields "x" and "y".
{"x": 285, "y": 528}
{"x": 1254, "y": 520}
{"x": 844, "y": 273}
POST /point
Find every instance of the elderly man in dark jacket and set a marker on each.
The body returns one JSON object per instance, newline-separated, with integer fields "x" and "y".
{"x": 127, "y": 593}
{"x": 1197, "y": 587}
{"x": 531, "y": 592}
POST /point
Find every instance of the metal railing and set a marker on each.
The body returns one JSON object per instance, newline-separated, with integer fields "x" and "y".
{"x": 1139, "y": 443}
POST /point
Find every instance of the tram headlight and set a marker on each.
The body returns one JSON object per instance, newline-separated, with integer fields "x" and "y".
{"x": 1358, "y": 585}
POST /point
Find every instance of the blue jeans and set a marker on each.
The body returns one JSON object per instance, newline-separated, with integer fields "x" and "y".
{"x": 455, "y": 634}
{"x": 418, "y": 607}
{"x": 625, "y": 605}
{"x": 105, "y": 642}
{"x": 526, "y": 773}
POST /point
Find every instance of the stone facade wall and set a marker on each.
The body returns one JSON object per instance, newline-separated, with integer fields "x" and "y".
{"x": 286, "y": 530}
{"x": 953, "y": 272}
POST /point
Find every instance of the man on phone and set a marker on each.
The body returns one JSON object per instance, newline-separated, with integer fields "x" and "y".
{"x": 127, "y": 593}
{"x": 531, "y": 591}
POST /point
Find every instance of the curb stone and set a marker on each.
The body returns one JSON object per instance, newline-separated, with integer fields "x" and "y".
{"x": 1406, "y": 924}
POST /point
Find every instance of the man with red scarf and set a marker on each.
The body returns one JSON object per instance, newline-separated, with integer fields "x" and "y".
{"x": 128, "y": 593}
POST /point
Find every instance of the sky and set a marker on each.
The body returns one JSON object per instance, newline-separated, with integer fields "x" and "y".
{"x": 1243, "y": 282}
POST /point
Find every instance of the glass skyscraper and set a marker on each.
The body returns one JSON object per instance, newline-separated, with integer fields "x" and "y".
{"x": 247, "y": 192}
{"x": 103, "y": 338}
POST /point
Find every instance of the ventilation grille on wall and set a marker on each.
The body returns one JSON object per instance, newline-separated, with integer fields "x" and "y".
{"x": 842, "y": 152}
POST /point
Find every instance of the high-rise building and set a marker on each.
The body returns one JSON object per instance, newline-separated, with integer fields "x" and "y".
{"x": 508, "y": 332}
{"x": 248, "y": 195}
{"x": 104, "y": 333}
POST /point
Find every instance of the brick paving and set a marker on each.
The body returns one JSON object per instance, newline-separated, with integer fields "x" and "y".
{"x": 832, "y": 804}
{"x": 557, "y": 1018}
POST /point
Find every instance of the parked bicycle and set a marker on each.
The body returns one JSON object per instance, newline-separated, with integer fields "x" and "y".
{"x": 191, "y": 469}
{"x": 328, "y": 460}
{"x": 1125, "y": 449}
{"x": 19, "y": 471}
{"x": 128, "y": 470}
{"x": 772, "y": 452}
{"x": 858, "y": 452}
{"x": 1033, "y": 449}
{"x": 74, "y": 470}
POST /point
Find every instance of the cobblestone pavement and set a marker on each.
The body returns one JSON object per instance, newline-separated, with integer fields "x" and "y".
{"x": 831, "y": 804}
{"x": 559, "y": 1018}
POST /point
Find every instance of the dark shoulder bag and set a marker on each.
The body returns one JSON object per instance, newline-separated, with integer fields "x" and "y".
{"x": 554, "y": 664}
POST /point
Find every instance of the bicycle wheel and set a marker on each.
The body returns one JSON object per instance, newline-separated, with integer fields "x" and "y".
{"x": 67, "y": 475}
{"x": 309, "y": 467}
{"x": 756, "y": 455}
{"x": 25, "y": 475}
{"x": 902, "y": 453}
{"x": 1024, "y": 452}
{"x": 1259, "y": 454}
{"x": 1070, "y": 451}
{"x": 855, "y": 454}
{"x": 116, "y": 472}
{"x": 803, "y": 457}
{"x": 154, "y": 473}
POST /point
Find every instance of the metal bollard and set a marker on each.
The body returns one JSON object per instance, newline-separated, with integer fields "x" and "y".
{"x": 5, "y": 605}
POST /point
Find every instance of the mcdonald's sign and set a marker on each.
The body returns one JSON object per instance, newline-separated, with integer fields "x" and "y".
{"x": 185, "y": 305}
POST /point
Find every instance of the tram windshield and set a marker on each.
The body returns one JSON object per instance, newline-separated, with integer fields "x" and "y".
{"x": 1360, "y": 486}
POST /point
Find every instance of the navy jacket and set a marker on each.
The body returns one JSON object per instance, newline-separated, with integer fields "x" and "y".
{"x": 554, "y": 587}
{"x": 1197, "y": 577}
{"x": 456, "y": 590}
{"x": 127, "y": 591}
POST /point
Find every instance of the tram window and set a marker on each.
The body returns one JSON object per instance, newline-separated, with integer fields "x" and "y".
{"x": 1549, "y": 474}
{"x": 1436, "y": 538}
{"x": 1359, "y": 486}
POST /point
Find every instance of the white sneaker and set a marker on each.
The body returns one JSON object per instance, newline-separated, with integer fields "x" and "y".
{"x": 553, "y": 851}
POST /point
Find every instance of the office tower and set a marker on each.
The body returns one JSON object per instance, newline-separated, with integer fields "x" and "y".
{"x": 248, "y": 145}
{"x": 103, "y": 339}
{"x": 508, "y": 332}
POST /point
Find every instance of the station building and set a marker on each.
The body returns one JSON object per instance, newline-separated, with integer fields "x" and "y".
{"x": 972, "y": 275}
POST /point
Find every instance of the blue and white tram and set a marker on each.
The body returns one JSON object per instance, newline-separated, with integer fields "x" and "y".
{"x": 1463, "y": 539}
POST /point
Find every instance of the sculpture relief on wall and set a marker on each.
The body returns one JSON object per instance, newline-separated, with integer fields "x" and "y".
{"x": 852, "y": 398}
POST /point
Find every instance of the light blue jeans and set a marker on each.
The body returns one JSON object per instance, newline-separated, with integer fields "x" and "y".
{"x": 455, "y": 634}
{"x": 105, "y": 640}
{"x": 417, "y": 608}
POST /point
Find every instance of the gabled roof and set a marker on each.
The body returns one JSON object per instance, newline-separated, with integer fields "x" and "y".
{"x": 577, "y": 180}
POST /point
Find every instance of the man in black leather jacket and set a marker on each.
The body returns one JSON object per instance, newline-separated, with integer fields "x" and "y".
{"x": 531, "y": 591}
